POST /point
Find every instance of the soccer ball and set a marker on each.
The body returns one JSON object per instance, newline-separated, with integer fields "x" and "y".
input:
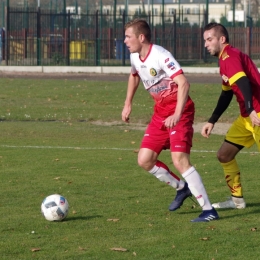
{"x": 55, "y": 207}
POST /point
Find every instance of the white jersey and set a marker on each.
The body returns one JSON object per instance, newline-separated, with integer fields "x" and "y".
{"x": 159, "y": 64}
{"x": 156, "y": 71}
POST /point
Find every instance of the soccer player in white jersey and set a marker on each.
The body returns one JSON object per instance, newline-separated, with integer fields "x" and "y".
{"x": 171, "y": 124}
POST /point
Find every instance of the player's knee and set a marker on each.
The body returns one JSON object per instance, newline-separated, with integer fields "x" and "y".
{"x": 181, "y": 167}
{"x": 180, "y": 163}
{"x": 146, "y": 159}
{"x": 146, "y": 165}
{"x": 222, "y": 157}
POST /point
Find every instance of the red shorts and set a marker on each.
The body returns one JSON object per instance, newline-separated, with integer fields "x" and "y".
{"x": 178, "y": 139}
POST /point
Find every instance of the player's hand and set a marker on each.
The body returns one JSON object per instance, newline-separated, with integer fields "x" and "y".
{"x": 171, "y": 121}
{"x": 254, "y": 118}
{"x": 206, "y": 129}
{"x": 126, "y": 113}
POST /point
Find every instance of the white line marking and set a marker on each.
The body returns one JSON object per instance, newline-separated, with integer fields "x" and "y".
{"x": 67, "y": 147}
{"x": 206, "y": 151}
{"x": 102, "y": 148}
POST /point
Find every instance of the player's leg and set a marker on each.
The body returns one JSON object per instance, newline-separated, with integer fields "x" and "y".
{"x": 154, "y": 141}
{"x": 180, "y": 139}
{"x": 256, "y": 134}
{"x": 147, "y": 159}
{"x": 226, "y": 156}
{"x": 182, "y": 163}
{"x": 183, "y": 192}
{"x": 239, "y": 135}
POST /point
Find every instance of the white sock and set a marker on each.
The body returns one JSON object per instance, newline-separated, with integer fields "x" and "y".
{"x": 197, "y": 188}
{"x": 161, "y": 172}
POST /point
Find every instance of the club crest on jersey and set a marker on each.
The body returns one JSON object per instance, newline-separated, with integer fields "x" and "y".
{"x": 224, "y": 55}
{"x": 153, "y": 72}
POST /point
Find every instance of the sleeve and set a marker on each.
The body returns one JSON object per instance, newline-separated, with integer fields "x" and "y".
{"x": 232, "y": 67}
{"x": 169, "y": 65}
{"x": 223, "y": 103}
{"x": 244, "y": 85}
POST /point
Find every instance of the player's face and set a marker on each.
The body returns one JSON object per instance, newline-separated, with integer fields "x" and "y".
{"x": 132, "y": 42}
{"x": 213, "y": 43}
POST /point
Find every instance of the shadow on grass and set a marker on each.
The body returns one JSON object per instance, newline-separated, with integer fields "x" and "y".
{"x": 225, "y": 214}
{"x": 82, "y": 218}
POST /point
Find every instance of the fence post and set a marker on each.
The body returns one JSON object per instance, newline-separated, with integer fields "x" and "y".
{"x": 123, "y": 34}
{"x": 163, "y": 29}
{"x": 24, "y": 33}
{"x": 3, "y": 14}
{"x": 250, "y": 35}
{"x": 202, "y": 42}
{"x": 7, "y": 34}
{"x": 206, "y": 19}
{"x": 110, "y": 43}
{"x": 64, "y": 14}
{"x": 154, "y": 34}
{"x": 114, "y": 16}
{"x": 67, "y": 39}
{"x": 97, "y": 44}
{"x": 38, "y": 36}
{"x": 174, "y": 35}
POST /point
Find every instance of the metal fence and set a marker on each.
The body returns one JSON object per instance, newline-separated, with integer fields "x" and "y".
{"x": 33, "y": 36}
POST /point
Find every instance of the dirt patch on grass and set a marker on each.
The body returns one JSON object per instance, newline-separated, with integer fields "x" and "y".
{"x": 204, "y": 78}
{"x": 219, "y": 128}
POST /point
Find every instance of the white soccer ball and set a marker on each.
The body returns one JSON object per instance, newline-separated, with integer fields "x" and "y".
{"x": 55, "y": 207}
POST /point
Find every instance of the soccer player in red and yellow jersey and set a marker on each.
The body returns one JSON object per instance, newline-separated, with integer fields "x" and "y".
{"x": 240, "y": 77}
{"x": 172, "y": 120}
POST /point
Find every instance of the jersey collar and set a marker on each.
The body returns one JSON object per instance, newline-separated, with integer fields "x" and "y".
{"x": 150, "y": 49}
{"x": 219, "y": 56}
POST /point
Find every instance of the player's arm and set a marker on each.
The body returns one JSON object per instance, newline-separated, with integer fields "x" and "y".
{"x": 244, "y": 85}
{"x": 182, "y": 96}
{"x": 183, "y": 92}
{"x": 223, "y": 103}
{"x": 133, "y": 83}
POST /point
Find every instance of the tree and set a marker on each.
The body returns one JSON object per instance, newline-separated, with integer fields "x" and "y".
{"x": 223, "y": 20}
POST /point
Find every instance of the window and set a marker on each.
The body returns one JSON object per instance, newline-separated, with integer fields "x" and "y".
{"x": 196, "y": 10}
{"x": 187, "y": 10}
{"x": 171, "y": 11}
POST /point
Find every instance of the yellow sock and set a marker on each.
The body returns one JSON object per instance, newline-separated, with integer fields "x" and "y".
{"x": 232, "y": 176}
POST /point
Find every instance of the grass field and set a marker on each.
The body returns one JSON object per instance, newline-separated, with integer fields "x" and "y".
{"x": 62, "y": 136}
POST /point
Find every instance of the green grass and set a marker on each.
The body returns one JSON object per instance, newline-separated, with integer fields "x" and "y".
{"x": 50, "y": 143}
{"x": 72, "y": 100}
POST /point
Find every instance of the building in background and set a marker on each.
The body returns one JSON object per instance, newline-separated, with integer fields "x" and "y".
{"x": 218, "y": 10}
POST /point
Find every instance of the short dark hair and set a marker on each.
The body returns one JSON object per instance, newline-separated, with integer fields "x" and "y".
{"x": 219, "y": 29}
{"x": 140, "y": 26}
